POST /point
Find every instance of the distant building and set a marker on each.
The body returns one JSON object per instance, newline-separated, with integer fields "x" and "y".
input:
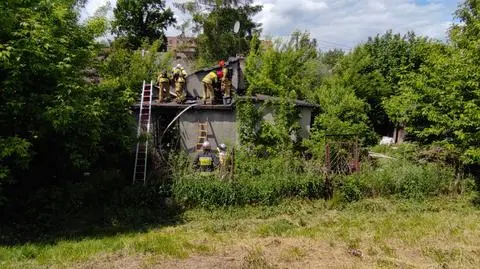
{"x": 266, "y": 43}
{"x": 182, "y": 46}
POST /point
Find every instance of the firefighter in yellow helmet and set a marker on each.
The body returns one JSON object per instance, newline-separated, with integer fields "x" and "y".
{"x": 179, "y": 78}
{"x": 206, "y": 161}
{"x": 164, "y": 86}
{"x": 208, "y": 81}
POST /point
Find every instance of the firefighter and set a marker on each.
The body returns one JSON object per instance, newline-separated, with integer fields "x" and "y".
{"x": 164, "y": 86}
{"x": 179, "y": 78}
{"x": 206, "y": 161}
{"x": 226, "y": 83}
{"x": 225, "y": 161}
{"x": 208, "y": 81}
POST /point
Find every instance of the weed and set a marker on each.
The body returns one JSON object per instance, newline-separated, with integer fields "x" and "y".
{"x": 388, "y": 250}
{"x": 442, "y": 256}
{"x": 293, "y": 254}
{"x": 255, "y": 259}
{"x": 277, "y": 228}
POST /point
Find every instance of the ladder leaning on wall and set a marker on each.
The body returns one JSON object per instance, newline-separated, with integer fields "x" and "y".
{"x": 202, "y": 134}
{"x": 144, "y": 117}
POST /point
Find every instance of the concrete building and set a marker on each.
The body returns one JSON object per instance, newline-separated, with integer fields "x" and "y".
{"x": 221, "y": 119}
{"x": 182, "y": 46}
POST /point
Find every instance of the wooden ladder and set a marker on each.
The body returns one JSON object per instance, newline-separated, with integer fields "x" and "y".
{"x": 202, "y": 134}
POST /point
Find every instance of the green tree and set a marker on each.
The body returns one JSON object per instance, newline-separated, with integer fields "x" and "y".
{"x": 440, "y": 103}
{"x": 332, "y": 57}
{"x": 215, "y": 20}
{"x": 138, "y": 21}
{"x": 53, "y": 119}
{"x": 292, "y": 67}
{"x": 375, "y": 69}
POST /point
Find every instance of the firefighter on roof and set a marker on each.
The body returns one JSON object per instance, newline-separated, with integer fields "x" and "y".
{"x": 208, "y": 81}
{"x": 164, "y": 86}
{"x": 179, "y": 78}
{"x": 226, "y": 82}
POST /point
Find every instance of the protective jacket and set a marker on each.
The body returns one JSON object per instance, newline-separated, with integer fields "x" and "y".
{"x": 210, "y": 78}
{"x": 206, "y": 161}
{"x": 179, "y": 75}
{"x": 162, "y": 78}
{"x": 225, "y": 73}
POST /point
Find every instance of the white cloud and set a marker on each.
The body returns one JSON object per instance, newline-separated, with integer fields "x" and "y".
{"x": 344, "y": 23}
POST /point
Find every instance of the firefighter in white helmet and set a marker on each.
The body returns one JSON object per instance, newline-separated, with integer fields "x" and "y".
{"x": 206, "y": 161}
{"x": 225, "y": 161}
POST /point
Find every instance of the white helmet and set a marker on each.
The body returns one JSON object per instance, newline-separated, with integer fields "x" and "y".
{"x": 222, "y": 147}
{"x": 179, "y": 65}
{"x": 206, "y": 145}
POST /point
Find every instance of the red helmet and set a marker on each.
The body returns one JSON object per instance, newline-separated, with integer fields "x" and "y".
{"x": 222, "y": 63}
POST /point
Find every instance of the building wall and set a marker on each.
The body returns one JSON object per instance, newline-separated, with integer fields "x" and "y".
{"x": 305, "y": 119}
{"x": 305, "y": 122}
{"x": 221, "y": 128}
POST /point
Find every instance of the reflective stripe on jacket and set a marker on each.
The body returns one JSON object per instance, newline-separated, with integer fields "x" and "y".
{"x": 206, "y": 161}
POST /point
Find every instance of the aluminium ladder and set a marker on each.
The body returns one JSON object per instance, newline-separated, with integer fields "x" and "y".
{"x": 144, "y": 117}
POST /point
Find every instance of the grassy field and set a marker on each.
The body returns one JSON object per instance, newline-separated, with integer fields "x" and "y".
{"x": 382, "y": 233}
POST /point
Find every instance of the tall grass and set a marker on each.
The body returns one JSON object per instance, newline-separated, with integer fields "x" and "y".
{"x": 267, "y": 181}
{"x": 402, "y": 178}
{"x": 256, "y": 181}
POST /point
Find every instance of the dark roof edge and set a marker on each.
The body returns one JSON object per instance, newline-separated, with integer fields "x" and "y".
{"x": 263, "y": 98}
{"x": 229, "y": 61}
{"x": 174, "y": 106}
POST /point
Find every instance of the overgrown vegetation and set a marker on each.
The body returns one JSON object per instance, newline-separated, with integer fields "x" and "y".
{"x": 440, "y": 232}
{"x": 257, "y": 181}
{"x": 67, "y": 132}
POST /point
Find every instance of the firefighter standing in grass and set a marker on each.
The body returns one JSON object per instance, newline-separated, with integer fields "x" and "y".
{"x": 208, "y": 94}
{"x": 206, "y": 161}
{"x": 225, "y": 161}
{"x": 179, "y": 77}
{"x": 164, "y": 86}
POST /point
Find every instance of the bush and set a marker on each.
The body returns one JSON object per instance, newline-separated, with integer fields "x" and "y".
{"x": 269, "y": 180}
{"x": 103, "y": 203}
{"x": 257, "y": 181}
{"x": 402, "y": 178}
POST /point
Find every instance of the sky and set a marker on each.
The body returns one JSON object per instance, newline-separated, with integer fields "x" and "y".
{"x": 342, "y": 23}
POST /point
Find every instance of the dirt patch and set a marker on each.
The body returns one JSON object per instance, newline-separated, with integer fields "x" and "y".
{"x": 276, "y": 253}
{"x": 257, "y": 253}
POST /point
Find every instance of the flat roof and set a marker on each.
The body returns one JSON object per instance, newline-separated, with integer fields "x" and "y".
{"x": 199, "y": 106}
